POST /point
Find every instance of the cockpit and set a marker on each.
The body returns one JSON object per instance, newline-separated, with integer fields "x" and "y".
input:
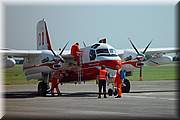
{"x": 102, "y": 49}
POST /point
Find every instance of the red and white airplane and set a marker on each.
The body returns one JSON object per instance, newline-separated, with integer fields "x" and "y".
{"x": 39, "y": 64}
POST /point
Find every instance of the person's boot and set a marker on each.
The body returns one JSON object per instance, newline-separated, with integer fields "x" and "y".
{"x": 105, "y": 96}
{"x": 118, "y": 96}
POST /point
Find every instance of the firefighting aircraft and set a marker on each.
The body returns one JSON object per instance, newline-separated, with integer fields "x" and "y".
{"x": 39, "y": 64}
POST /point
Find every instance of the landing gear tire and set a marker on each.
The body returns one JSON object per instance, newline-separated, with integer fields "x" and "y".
{"x": 126, "y": 89}
{"x": 42, "y": 89}
{"x": 110, "y": 92}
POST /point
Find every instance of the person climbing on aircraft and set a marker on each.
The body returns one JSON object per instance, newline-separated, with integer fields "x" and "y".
{"x": 102, "y": 77}
{"x": 118, "y": 81}
{"x": 55, "y": 79}
{"x": 74, "y": 52}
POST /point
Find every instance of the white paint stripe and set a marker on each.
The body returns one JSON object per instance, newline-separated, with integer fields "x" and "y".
{"x": 141, "y": 97}
{"x": 148, "y": 97}
{"x": 96, "y": 112}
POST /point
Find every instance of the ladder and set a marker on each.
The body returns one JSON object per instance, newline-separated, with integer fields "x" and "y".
{"x": 80, "y": 72}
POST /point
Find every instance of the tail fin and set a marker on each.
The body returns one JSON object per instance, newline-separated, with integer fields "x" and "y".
{"x": 43, "y": 40}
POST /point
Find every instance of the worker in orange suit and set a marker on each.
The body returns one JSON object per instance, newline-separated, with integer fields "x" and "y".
{"x": 102, "y": 77}
{"x": 74, "y": 51}
{"x": 118, "y": 81}
{"x": 55, "y": 78}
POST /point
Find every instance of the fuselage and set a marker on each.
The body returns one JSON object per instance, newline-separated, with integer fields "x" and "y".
{"x": 91, "y": 59}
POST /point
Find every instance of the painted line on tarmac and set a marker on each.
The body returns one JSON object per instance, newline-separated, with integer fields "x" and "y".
{"x": 148, "y": 97}
{"x": 97, "y": 112}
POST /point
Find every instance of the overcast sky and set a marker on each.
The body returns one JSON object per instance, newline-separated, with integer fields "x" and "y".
{"x": 83, "y": 22}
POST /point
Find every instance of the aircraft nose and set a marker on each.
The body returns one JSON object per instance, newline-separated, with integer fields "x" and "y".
{"x": 118, "y": 64}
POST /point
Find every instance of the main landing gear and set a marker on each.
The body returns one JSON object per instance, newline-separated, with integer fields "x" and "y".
{"x": 42, "y": 88}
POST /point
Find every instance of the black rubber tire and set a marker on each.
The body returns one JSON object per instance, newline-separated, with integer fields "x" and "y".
{"x": 42, "y": 89}
{"x": 126, "y": 89}
{"x": 110, "y": 92}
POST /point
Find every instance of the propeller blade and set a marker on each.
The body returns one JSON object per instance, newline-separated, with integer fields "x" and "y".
{"x": 84, "y": 44}
{"x": 147, "y": 47}
{"x": 154, "y": 62}
{"x": 53, "y": 52}
{"x": 63, "y": 48}
{"x": 134, "y": 46}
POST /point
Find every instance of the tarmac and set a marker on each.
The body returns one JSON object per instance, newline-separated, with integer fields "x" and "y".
{"x": 146, "y": 100}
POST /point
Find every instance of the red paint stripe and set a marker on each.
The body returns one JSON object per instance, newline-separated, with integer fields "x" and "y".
{"x": 42, "y": 38}
{"x": 50, "y": 65}
{"x": 48, "y": 40}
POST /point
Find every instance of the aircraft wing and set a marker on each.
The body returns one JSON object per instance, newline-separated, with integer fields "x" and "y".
{"x": 151, "y": 51}
{"x": 20, "y": 53}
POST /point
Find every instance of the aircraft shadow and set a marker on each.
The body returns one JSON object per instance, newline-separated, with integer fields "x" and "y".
{"x": 20, "y": 94}
{"x": 32, "y": 94}
{"x": 80, "y": 94}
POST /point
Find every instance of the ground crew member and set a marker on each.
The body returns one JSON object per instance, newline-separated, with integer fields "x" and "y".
{"x": 123, "y": 76}
{"x": 102, "y": 77}
{"x": 74, "y": 51}
{"x": 55, "y": 82}
{"x": 118, "y": 81}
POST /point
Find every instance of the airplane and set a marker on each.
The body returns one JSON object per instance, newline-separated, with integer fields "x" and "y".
{"x": 39, "y": 64}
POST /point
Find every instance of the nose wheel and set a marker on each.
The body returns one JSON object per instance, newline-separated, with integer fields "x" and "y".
{"x": 111, "y": 92}
{"x": 125, "y": 89}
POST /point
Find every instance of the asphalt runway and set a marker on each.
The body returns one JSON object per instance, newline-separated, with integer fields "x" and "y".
{"x": 147, "y": 99}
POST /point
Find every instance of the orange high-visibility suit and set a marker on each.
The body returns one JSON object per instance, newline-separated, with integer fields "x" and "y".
{"x": 118, "y": 82}
{"x": 74, "y": 51}
{"x": 55, "y": 81}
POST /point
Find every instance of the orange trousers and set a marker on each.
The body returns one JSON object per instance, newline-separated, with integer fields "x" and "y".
{"x": 118, "y": 83}
{"x": 54, "y": 85}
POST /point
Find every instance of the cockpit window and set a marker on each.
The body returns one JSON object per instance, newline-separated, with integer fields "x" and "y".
{"x": 112, "y": 51}
{"x": 98, "y": 51}
{"x": 95, "y": 46}
{"x": 106, "y": 52}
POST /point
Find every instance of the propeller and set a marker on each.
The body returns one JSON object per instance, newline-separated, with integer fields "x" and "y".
{"x": 140, "y": 55}
{"x": 63, "y": 48}
{"x": 84, "y": 44}
{"x": 147, "y": 47}
{"x": 59, "y": 58}
{"x": 134, "y": 46}
{"x": 154, "y": 62}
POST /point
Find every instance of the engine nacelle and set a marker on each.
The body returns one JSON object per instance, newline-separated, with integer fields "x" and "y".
{"x": 164, "y": 59}
{"x": 8, "y": 62}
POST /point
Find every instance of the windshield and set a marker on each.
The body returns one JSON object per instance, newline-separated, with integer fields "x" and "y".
{"x": 112, "y": 51}
{"x": 106, "y": 52}
{"x": 98, "y": 51}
